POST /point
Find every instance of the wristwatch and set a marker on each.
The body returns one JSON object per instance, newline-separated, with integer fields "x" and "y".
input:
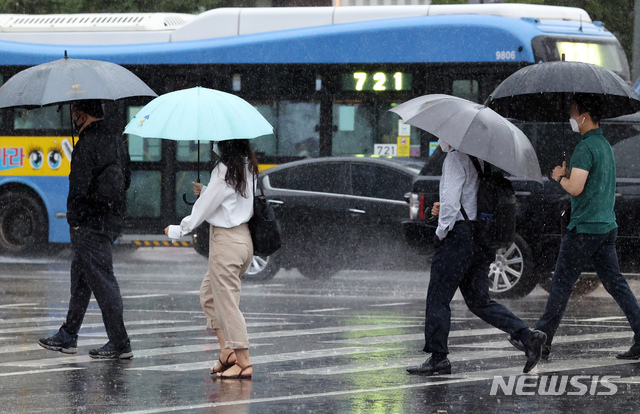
{"x": 560, "y": 178}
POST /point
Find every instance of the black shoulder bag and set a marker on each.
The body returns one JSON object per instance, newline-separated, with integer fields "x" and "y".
{"x": 264, "y": 226}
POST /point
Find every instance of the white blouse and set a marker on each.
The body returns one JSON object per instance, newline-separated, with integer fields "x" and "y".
{"x": 219, "y": 204}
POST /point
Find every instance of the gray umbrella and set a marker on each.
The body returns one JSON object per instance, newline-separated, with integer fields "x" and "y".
{"x": 475, "y": 130}
{"x": 68, "y": 80}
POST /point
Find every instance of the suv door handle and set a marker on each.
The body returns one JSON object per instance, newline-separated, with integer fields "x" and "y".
{"x": 356, "y": 211}
{"x": 275, "y": 203}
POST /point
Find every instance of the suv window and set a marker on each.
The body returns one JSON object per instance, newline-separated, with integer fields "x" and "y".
{"x": 379, "y": 182}
{"x": 321, "y": 178}
{"x": 626, "y": 152}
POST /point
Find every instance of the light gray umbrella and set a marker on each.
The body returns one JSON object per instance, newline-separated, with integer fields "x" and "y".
{"x": 475, "y": 130}
{"x": 68, "y": 80}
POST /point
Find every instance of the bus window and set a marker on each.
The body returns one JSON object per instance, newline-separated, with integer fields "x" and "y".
{"x": 467, "y": 89}
{"x": 392, "y": 130}
{"x": 188, "y": 151}
{"x": 144, "y": 193}
{"x": 266, "y": 145}
{"x": 48, "y": 117}
{"x": 142, "y": 149}
{"x": 184, "y": 186}
{"x": 296, "y": 129}
{"x": 354, "y": 128}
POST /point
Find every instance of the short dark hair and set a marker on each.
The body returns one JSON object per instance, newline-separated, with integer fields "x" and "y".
{"x": 589, "y": 103}
{"x": 91, "y": 107}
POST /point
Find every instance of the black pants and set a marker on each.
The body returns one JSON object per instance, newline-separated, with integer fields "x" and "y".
{"x": 92, "y": 271}
{"x": 460, "y": 262}
{"x": 576, "y": 250}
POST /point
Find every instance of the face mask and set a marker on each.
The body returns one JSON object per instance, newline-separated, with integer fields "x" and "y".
{"x": 575, "y": 126}
{"x": 76, "y": 127}
{"x": 444, "y": 146}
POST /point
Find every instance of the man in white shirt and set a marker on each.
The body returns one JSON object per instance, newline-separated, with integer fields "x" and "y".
{"x": 462, "y": 262}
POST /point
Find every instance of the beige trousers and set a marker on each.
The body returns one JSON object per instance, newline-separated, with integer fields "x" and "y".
{"x": 230, "y": 253}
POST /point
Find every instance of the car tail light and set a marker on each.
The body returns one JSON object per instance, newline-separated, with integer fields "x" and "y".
{"x": 416, "y": 202}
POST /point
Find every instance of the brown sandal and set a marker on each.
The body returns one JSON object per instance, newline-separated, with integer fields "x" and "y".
{"x": 225, "y": 365}
{"x": 239, "y": 376}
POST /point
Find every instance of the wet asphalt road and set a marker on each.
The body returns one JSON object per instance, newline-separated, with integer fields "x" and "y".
{"x": 335, "y": 346}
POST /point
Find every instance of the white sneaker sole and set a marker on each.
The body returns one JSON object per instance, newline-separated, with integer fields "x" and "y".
{"x": 59, "y": 349}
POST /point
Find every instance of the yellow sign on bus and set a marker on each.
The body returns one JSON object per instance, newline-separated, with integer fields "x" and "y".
{"x": 35, "y": 156}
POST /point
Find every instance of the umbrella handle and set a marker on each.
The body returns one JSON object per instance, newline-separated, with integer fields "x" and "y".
{"x": 187, "y": 202}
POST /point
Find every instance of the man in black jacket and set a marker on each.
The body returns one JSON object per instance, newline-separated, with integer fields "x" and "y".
{"x": 99, "y": 177}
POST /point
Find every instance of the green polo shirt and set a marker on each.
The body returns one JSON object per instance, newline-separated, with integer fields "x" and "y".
{"x": 592, "y": 211}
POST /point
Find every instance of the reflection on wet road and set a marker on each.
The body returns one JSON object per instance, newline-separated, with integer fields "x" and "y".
{"x": 333, "y": 346}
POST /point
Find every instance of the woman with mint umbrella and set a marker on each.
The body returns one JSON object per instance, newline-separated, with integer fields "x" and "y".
{"x": 226, "y": 203}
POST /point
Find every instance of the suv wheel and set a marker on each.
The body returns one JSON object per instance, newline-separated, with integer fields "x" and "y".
{"x": 262, "y": 268}
{"x": 512, "y": 274}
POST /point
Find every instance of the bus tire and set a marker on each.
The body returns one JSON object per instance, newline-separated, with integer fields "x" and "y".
{"x": 23, "y": 223}
{"x": 512, "y": 275}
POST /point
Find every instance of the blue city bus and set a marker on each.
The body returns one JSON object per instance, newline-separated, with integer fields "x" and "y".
{"x": 325, "y": 89}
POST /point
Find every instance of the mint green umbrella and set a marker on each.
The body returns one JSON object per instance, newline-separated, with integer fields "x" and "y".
{"x": 198, "y": 114}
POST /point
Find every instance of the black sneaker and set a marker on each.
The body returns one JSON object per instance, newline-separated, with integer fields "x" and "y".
{"x": 632, "y": 353}
{"x": 431, "y": 368}
{"x": 111, "y": 351}
{"x": 533, "y": 349}
{"x": 62, "y": 342}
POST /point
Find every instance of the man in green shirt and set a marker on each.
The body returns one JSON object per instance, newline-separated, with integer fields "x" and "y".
{"x": 592, "y": 231}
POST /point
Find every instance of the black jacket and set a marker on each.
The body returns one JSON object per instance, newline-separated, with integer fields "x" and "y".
{"x": 94, "y": 151}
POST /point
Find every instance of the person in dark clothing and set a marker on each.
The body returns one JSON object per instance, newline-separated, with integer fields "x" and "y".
{"x": 95, "y": 225}
{"x": 462, "y": 260}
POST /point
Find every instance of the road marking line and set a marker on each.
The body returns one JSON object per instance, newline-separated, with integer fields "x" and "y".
{"x": 479, "y": 376}
{"x": 372, "y": 340}
{"x": 142, "y": 353}
{"x": 397, "y": 363}
{"x": 325, "y": 310}
{"x": 389, "y": 304}
{"x": 39, "y": 371}
{"x": 557, "y": 340}
{"x": 17, "y": 305}
{"x": 153, "y": 295}
{"x": 84, "y": 326}
{"x": 177, "y": 329}
{"x": 266, "y": 359}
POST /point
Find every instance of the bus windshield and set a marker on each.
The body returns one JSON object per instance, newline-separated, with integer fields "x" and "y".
{"x": 608, "y": 54}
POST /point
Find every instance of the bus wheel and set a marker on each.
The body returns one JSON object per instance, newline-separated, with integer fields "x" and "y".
{"x": 512, "y": 274}
{"x": 23, "y": 224}
{"x": 262, "y": 268}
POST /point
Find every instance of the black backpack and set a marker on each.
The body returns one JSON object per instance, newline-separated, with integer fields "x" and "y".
{"x": 496, "y": 220}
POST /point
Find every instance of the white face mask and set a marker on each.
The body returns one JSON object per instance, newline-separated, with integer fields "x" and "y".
{"x": 575, "y": 126}
{"x": 444, "y": 146}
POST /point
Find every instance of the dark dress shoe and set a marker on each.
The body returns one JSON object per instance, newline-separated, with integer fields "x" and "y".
{"x": 546, "y": 349}
{"x": 632, "y": 353}
{"x": 533, "y": 349}
{"x": 431, "y": 368}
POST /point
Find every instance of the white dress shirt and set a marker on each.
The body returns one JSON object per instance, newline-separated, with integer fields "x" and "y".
{"x": 219, "y": 204}
{"x": 458, "y": 187}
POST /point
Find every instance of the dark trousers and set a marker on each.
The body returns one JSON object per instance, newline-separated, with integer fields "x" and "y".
{"x": 459, "y": 262}
{"x": 576, "y": 250}
{"x": 92, "y": 271}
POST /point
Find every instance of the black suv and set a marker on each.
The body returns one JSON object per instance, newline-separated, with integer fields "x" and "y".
{"x": 531, "y": 259}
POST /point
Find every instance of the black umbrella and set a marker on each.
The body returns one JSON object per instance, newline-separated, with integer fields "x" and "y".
{"x": 541, "y": 92}
{"x": 67, "y": 80}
